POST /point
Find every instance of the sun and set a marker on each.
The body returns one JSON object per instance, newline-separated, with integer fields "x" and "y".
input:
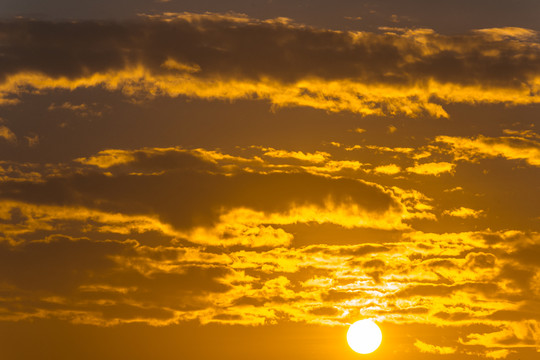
{"x": 364, "y": 336}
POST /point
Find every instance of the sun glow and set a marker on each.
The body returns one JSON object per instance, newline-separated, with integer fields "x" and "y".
{"x": 364, "y": 336}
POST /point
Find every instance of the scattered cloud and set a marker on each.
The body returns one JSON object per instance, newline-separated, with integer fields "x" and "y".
{"x": 7, "y": 134}
{"x": 32, "y": 140}
{"x": 390, "y": 169}
{"x": 503, "y": 33}
{"x": 522, "y": 133}
{"x": 316, "y": 157}
{"x": 498, "y": 354}
{"x": 463, "y": 212}
{"x": 511, "y": 335}
{"x": 382, "y": 149}
{"x": 433, "y": 168}
{"x": 512, "y": 148}
{"x": 80, "y": 109}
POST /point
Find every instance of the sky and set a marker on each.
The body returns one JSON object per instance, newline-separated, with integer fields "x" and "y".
{"x": 245, "y": 179}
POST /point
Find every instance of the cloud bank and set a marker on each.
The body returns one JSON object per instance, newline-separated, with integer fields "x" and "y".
{"x": 215, "y": 56}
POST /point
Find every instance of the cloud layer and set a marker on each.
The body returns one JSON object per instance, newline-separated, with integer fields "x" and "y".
{"x": 233, "y": 57}
{"x": 133, "y": 197}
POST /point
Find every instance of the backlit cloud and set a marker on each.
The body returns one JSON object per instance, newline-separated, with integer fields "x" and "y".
{"x": 202, "y": 55}
{"x": 463, "y": 212}
{"x": 512, "y": 148}
{"x": 151, "y": 186}
{"x": 432, "y": 168}
{"x": 434, "y": 349}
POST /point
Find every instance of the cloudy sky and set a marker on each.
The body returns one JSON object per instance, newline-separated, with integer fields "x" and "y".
{"x": 245, "y": 179}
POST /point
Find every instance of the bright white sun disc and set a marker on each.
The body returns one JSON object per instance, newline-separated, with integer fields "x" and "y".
{"x": 364, "y": 336}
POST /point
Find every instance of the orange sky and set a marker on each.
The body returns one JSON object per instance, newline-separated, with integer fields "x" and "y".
{"x": 246, "y": 182}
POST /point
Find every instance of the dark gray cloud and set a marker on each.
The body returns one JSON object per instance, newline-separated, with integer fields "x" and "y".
{"x": 216, "y": 56}
{"x": 59, "y": 265}
{"x": 187, "y": 199}
{"x": 224, "y": 47}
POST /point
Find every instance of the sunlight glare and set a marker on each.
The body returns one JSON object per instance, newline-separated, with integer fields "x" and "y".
{"x": 364, "y": 336}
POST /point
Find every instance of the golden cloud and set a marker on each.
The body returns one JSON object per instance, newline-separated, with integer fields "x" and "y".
{"x": 316, "y": 157}
{"x": 509, "y": 32}
{"x": 390, "y": 169}
{"x": 512, "y": 148}
{"x": 498, "y": 354}
{"x": 218, "y": 221}
{"x": 434, "y": 349}
{"x": 7, "y": 134}
{"x": 422, "y": 278}
{"x": 28, "y": 218}
{"x": 433, "y": 168}
{"x": 464, "y": 212}
{"x": 236, "y": 250}
{"x": 108, "y": 158}
{"x": 511, "y": 335}
{"x": 362, "y": 72}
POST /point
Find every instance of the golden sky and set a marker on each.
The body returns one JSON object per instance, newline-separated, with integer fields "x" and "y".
{"x": 242, "y": 180}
